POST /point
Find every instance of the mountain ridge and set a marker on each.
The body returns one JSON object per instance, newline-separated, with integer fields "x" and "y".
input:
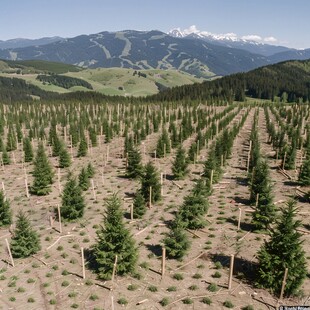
{"x": 153, "y": 49}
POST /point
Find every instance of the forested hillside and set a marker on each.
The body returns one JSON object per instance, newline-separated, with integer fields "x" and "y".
{"x": 288, "y": 80}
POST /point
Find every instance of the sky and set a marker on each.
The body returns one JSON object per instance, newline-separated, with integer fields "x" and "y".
{"x": 280, "y": 22}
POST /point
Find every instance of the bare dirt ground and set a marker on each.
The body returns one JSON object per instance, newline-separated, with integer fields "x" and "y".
{"x": 52, "y": 278}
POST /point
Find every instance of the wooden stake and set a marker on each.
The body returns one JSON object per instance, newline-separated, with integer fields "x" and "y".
{"x": 283, "y": 283}
{"x": 249, "y": 155}
{"x": 284, "y": 159}
{"x": 93, "y": 188}
{"x": 231, "y": 269}
{"x": 162, "y": 183}
{"x": 26, "y": 187}
{"x": 59, "y": 185}
{"x": 163, "y": 261}
{"x": 211, "y": 177}
{"x": 150, "y": 202}
{"x": 3, "y": 188}
{"x": 108, "y": 150}
{"x": 112, "y": 303}
{"x": 114, "y": 268}
{"x": 239, "y": 220}
{"x": 131, "y": 211}
{"x": 83, "y": 263}
{"x": 222, "y": 160}
{"x": 256, "y": 203}
{"x": 102, "y": 175}
{"x": 51, "y": 221}
{"x": 10, "y": 253}
{"x": 59, "y": 219}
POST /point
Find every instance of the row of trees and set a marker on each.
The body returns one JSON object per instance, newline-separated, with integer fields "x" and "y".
{"x": 284, "y": 248}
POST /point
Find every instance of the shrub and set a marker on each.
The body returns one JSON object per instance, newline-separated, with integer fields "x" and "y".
{"x": 152, "y": 288}
{"x": 228, "y": 304}
{"x": 187, "y": 301}
{"x": 212, "y": 287}
{"x": 178, "y": 276}
{"x": 164, "y": 302}
{"x": 122, "y": 301}
{"x": 206, "y": 300}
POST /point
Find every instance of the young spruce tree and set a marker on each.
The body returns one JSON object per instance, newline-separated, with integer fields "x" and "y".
{"x": 113, "y": 238}
{"x": 5, "y": 211}
{"x": 180, "y": 164}
{"x": 283, "y": 250}
{"x": 134, "y": 167}
{"x": 43, "y": 174}
{"x": 64, "y": 157}
{"x": 176, "y": 241}
{"x": 25, "y": 240}
{"x": 72, "y": 206}
{"x": 84, "y": 182}
{"x": 139, "y": 205}
{"x": 150, "y": 178}
{"x": 28, "y": 151}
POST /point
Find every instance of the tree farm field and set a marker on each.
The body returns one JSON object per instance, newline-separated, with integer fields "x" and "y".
{"x": 202, "y": 278}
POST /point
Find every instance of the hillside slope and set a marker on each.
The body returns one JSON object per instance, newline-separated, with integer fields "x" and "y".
{"x": 289, "y": 80}
{"x": 110, "y": 81}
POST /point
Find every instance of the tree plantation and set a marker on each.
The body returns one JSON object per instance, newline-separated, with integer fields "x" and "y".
{"x": 133, "y": 203}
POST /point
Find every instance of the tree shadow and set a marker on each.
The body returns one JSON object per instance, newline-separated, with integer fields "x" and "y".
{"x": 244, "y": 201}
{"x": 290, "y": 183}
{"x": 307, "y": 226}
{"x": 242, "y": 181}
{"x": 155, "y": 249}
{"x": 243, "y": 225}
{"x": 244, "y": 270}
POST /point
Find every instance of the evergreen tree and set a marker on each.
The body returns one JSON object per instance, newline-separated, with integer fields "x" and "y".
{"x": 28, "y": 151}
{"x": 180, "y": 164}
{"x": 72, "y": 206}
{"x": 304, "y": 174}
{"x": 264, "y": 213}
{"x": 64, "y": 157}
{"x": 139, "y": 205}
{"x": 176, "y": 241}
{"x": 192, "y": 153}
{"x": 260, "y": 183}
{"x": 84, "y": 182}
{"x": 11, "y": 140}
{"x": 149, "y": 179}
{"x": 56, "y": 146}
{"x": 82, "y": 151}
{"x": 90, "y": 170}
{"x": 134, "y": 167}
{"x": 25, "y": 240}
{"x": 193, "y": 210}
{"x": 163, "y": 144}
{"x": 283, "y": 250}
{"x": 212, "y": 163}
{"x": 1, "y": 145}
{"x": 6, "y": 157}
{"x": 43, "y": 174}
{"x": 113, "y": 238}
{"x": 5, "y": 211}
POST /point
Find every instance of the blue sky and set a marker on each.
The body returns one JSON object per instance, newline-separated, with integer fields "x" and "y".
{"x": 287, "y": 21}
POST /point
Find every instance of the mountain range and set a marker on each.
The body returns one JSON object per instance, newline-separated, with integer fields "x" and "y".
{"x": 200, "y": 54}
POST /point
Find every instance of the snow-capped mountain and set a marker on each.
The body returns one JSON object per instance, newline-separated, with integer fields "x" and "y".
{"x": 251, "y": 43}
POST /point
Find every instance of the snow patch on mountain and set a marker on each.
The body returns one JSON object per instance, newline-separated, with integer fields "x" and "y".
{"x": 193, "y": 31}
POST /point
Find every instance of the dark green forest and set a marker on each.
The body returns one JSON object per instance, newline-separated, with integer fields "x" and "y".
{"x": 63, "y": 81}
{"x": 290, "y": 81}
